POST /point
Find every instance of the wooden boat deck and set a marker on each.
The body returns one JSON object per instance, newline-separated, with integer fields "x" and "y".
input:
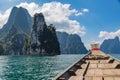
{"x": 94, "y": 66}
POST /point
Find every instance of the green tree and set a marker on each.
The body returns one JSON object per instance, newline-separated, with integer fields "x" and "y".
{"x": 49, "y": 41}
{"x": 1, "y": 50}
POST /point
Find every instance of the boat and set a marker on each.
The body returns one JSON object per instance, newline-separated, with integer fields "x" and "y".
{"x": 95, "y": 65}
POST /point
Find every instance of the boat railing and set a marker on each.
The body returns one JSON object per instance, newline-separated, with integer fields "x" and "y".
{"x": 70, "y": 67}
{"x": 113, "y": 57}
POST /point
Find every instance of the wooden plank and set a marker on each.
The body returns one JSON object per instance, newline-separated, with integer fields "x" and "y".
{"x": 76, "y": 78}
{"x": 108, "y": 78}
{"x": 116, "y": 72}
{"x": 97, "y": 78}
{"x": 101, "y": 65}
{"x": 108, "y": 72}
{"x": 90, "y": 72}
{"x": 103, "y": 61}
{"x": 61, "y": 78}
{"x": 93, "y": 66}
{"x": 83, "y": 65}
{"x": 93, "y": 61}
{"x": 79, "y": 72}
{"x": 88, "y": 78}
{"x": 98, "y": 72}
{"x": 116, "y": 78}
{"x": 98, "y": 69}
{"x": 108, "y": 66}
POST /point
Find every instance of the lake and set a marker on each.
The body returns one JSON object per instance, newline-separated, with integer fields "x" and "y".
{"x": 35, "y": 67}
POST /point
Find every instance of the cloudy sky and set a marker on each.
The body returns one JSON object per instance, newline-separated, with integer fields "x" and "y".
{"x": 92, "y": 20}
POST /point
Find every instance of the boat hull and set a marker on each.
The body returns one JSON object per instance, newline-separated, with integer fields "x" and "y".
{"x": 96, "y": 65}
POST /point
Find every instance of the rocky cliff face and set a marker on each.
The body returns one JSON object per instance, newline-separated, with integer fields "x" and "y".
{"x": 20, "y": 18}
{"x": 37, "y": 30}
{"x": 111, "y": 45}
{"x": 14, "y": 32}
{"x": 14, "y": 42}
{"x": 71, "y": 44}
{"x": 43, "y": 38}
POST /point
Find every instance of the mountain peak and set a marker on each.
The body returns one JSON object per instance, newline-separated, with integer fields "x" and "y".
{"x": 14, "y": 32}
{"x": 14, "y": 8}
{"x": 39, "y": 17}
{"x": 111, "y": 45}
{"x": 71, "y": 43}
{"x": 117, "y": 38}
{"x": 18, "y": 7}
{"x": 21, "y": 7}
{"x": 43, "y": 38}
{"x": 20, "y": 18}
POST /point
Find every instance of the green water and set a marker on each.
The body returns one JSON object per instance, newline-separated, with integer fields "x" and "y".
{"x": 34, "y": 67}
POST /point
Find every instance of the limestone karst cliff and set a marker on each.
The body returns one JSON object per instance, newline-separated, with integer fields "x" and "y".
{"x": 111, "y": 46}
{"x": 14, "y": 32}
{"x": 71, "y": 43}
{"x": 43, "y": 40}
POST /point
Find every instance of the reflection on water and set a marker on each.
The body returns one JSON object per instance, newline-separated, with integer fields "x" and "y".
{"x": 34, "y": 67}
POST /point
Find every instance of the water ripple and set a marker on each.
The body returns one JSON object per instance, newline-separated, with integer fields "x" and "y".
{"x": 34, "y": 67}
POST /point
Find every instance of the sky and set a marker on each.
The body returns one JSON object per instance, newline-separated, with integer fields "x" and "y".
{"x": 93, "y": 20}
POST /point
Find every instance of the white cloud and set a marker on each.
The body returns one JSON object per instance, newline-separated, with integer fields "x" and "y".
{"x": 31, "y": 7}
{"x": 55, "y": 13}
{"x": 85, "y": 10}
{"x": 92, "y": 41}
{"x": 79, "y": 14}
{"x": 4, "y": 17}
{"x": 109, "y": 35}
{"x": 102, "y": 36}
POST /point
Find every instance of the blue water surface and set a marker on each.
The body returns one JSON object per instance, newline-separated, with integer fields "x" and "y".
{"x": 34, "y": 67}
